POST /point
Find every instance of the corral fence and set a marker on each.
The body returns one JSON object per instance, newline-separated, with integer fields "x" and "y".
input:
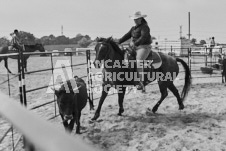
{"x": 43, "y": 135}
{"x": 194, "y": 59}
{"x": 23, "y": 91}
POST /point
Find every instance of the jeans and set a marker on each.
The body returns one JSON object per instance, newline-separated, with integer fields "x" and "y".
{"x": 142, "y": 53}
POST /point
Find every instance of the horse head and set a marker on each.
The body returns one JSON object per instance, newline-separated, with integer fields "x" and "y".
{"x": 40, "y": 47}
{"x": 106, "y": 49}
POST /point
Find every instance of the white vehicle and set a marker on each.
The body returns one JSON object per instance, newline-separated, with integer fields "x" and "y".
{"x": 55, "y": 53}
{"x": 83, "y": 50}
{"x": 67, "y": 51}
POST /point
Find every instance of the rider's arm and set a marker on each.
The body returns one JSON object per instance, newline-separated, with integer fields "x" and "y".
{"x": 145, "y": 32}
{"x": 126, "y": 36}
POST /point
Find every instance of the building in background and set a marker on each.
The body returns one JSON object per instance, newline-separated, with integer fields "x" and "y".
{"x": 172, "y": 47}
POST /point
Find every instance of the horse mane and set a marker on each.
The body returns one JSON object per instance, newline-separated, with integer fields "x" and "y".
{"x": 112, "y": 43}
{"x": 37, "y": 46}
{"x": 33, "y": 46}
{"x": 30, "y": 46}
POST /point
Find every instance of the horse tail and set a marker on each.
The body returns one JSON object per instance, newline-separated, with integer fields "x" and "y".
{"x": 187, "y": 84}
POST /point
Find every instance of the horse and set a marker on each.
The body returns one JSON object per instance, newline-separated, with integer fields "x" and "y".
{"x": 28, "y": 48}
{"x": 108, "y": 52}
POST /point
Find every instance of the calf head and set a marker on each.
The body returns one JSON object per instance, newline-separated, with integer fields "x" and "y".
{"x": 66, "y": 104}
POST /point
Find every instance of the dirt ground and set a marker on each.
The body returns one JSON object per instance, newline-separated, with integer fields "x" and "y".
{"x": 200, "y": 126}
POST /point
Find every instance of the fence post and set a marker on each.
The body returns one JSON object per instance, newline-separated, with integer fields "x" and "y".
{"x": 206, "y": 58}
{"x": 71, "y": 54}
{"x": 23, "y": 76}
{"x": 89, "y": 76}
{"x": 188, "y": 58}
{"x": 171, "y": 50}
{"x": 52, "y": 68}
{"x": 19, "y": 78}
{"x": 22, "y": 92}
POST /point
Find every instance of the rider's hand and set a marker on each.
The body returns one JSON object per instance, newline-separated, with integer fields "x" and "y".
{"x": 132, "y": 44}
{"x": 117, "y": 41}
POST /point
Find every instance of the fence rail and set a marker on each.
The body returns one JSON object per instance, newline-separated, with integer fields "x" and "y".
{"x": 41, "y": 133}
{"x": 22, "y": 85}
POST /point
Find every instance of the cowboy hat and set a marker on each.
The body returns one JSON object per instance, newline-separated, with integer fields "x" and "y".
{"x": 137, "y": 15}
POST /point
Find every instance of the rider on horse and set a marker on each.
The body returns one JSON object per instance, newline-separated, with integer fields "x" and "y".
{"x": 140, "y": 41}
{"x": 16, "y": 40}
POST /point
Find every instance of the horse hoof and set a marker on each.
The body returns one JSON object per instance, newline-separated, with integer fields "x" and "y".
{"x": 78, "y": 132}
{"x": 154, "y": 109}
{"x": 120, "y": 112}
{"x": 181, "y": 107}
{"x": 95, "y": 117}
{"x": 92, "y": 108}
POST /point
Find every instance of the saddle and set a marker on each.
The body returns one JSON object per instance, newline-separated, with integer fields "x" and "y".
{"x": 13, "y": 49}
{"x": 153, "y": 56}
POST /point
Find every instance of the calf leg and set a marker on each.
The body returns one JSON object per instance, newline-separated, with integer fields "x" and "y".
{"x": 77, "y": 120}
{"x": 64, "y": 122}
{"x": 71, "y": 125}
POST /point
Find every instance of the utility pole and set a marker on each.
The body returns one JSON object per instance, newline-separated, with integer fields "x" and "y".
{"x": 180, "y": 32}
{"x": 62, "y": 30}
{"x": 189, "y": 33}
{"x": 189, "y": 36}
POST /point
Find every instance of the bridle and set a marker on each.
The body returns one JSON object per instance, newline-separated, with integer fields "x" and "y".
{"x": 108, "y": 52}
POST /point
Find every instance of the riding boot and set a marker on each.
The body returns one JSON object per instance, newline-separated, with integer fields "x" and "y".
{"x": 140, "y": 85}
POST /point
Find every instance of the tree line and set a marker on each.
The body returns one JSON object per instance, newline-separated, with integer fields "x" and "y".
{"x": 29, "y": 39}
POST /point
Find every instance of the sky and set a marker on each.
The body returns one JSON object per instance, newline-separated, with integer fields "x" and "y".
{"x": 105, "y": 18}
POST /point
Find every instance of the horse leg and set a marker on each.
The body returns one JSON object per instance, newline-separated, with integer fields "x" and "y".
{"x": 164, "y": 94}
{"x": 104, "y": 94}
{"x": 174, "y": 90}
{"x": 121, "y": 95}
{"x": 6, "y": 64}
{"x": 25, "y": 64}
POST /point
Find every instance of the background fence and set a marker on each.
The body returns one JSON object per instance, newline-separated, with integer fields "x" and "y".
{"x": 23, "y": 91}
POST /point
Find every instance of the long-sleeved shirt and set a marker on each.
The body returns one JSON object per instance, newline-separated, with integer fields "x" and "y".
{"x": 140, "y": 35}
{"x": 15, "y": 40}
